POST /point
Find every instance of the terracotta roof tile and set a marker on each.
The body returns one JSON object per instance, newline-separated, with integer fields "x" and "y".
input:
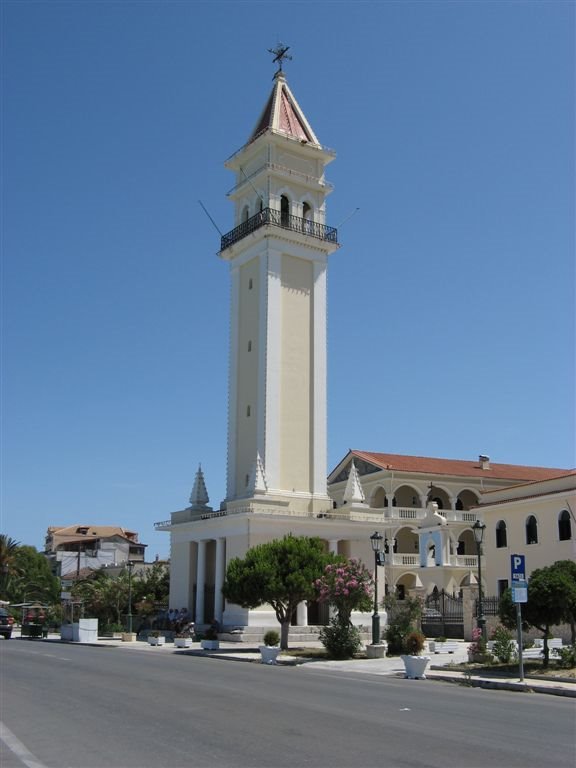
{"x": 458, "y": 467}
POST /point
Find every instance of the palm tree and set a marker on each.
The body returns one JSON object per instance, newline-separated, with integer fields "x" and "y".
{"x": 8, "y": 568}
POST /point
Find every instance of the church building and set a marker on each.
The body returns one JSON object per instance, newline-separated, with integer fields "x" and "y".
{"x": 277, "y": 475}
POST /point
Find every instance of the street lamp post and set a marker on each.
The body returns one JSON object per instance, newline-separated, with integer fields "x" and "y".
{"x": 376, "y": 542}
{"x": 478, "y": 530}
{"x": 130, "y": 565}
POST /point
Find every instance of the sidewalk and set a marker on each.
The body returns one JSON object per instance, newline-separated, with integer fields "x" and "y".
{"x": 440, "y": 667}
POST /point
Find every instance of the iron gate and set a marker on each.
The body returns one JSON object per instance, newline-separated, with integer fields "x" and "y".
{"x": 443, "y": 616}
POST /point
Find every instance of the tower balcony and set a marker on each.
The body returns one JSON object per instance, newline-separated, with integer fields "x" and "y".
{"x": 275, "y": 218}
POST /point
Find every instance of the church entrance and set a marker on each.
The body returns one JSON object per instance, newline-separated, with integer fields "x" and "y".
{"x": 443, "y": 615}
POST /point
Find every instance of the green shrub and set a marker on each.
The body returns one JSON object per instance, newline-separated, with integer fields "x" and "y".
{"x": 271, "y": 637}
{"x": 414, "y": 643}
{"x": 403, "y": 618}
{"x": 341, "y": 639}
{"x": 503, "y": 647}
{"x": 567, "y": 656}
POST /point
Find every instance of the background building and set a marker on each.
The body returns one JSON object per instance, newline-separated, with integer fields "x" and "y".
{"x": 73, "y": 549}
{"x": 532, "y": 519}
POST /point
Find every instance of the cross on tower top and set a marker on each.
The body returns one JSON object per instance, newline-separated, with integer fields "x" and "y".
{"x": 280, "y": 53}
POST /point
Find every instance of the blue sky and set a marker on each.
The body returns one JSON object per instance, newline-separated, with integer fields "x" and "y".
{"x": 451, "y": 301}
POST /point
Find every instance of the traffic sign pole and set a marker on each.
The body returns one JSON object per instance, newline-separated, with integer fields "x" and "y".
{"x": 519, "y": 634}
{"x": 519, "y": 596}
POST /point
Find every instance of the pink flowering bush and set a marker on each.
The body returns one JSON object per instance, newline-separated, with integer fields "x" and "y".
{"x": 348, "y": 586}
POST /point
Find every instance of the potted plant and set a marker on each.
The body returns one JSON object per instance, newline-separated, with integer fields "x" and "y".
{"x": 210, "y": 640}
{"x": 155, "y": 638}
{"x": 182, "y": 641}
{"x": 414, "y": 663}
{"x": 271, "y": 648}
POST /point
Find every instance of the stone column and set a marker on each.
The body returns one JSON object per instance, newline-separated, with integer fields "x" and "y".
{"x": 469, "y": 597}
{"x": 219, "y": 578}
{"x": 302, "y": 614}
{"x": 423, "y": 500}
{"x": 200, "y": 582}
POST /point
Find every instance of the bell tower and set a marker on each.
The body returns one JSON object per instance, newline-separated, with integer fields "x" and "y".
{"x": 278, "y": 252}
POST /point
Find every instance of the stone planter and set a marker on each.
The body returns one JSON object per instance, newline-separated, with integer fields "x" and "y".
{"x": 210, "y": 645}
{"x": 447, "y": 647}
{"x": 376, "y": 651}
{"x": 156, "y": 640}
{"x": 269, "y": 653}
{"x": 128, "y": 637}
{"x": 415, "y": 666}
{"x": 182, "y": 642}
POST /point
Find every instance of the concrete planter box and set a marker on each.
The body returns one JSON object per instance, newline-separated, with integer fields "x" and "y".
{"x": 128, "y": 637}
{"x": 415, "y": 666}
{"x": 182, "y": 642}
{"x": 210, "y": 645}
{"x": 376, "y": 651}
{"x": 269, "y": 653}
{"x": 156, "y": 640}
{"x": 446, "y": 647}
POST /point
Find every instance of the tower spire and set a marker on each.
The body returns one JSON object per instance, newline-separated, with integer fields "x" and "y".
{"x": 199, "y": 496}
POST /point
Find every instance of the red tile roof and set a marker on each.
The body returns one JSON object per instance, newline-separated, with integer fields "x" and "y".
{"x": 458, "y": 467}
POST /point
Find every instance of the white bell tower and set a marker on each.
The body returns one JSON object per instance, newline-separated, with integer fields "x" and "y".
{"x": 278, "y": 252}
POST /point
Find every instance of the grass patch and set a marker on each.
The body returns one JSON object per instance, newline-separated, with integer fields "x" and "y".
{"x": 532, "y": 667}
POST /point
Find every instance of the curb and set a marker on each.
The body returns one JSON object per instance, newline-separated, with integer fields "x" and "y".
{"x": 508, "y": 685}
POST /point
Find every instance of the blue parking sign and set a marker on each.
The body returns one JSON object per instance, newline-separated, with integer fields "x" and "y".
{"x": 518, "y": 567}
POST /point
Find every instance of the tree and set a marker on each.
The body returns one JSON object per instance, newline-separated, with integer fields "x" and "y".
{"x": 280, "y": 573}
{"x": 551, "y": 600}
{"x": 8, "y": 567}
{"x": 104, "y": 597}
{"x": 348, "y": 586}
{"x": 34, "y": 580}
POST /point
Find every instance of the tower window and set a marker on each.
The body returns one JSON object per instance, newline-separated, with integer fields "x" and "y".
{"x": 564, "y": 526}
{"x": 248, "y": 410}
{"x": 284, "y": 211}
{"x": 249, "y": 346}
{"x": 250, "y": 284}
{"x": 501, "y": 536}
{"x": 531, "y": 530}
{"x": 307, "y": 224}
{"x": 245, "y": 214}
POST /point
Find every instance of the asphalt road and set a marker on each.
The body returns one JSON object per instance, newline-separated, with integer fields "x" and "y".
{"x": 70, "y": 706}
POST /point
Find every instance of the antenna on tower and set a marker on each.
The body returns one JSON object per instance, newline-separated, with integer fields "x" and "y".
{"x": 252, "y": 185}
{"x": 354, "y": 212}
{"x": 211, "y": 219}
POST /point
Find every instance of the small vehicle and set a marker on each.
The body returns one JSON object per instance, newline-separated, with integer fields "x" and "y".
{"x": 34, "y": 620}
{"x": 6, "y": 624}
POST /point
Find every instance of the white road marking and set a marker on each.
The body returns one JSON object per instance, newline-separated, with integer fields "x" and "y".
{"x": 15, "y": 745}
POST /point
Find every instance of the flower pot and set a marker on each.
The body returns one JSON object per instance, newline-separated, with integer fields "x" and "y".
{"x": 210, "y": 645}
{"x": 269, "y": 653}
{"x": 156, "y": 640}
{"x": 182, "y": 642}
{"x": 415, "y": 666}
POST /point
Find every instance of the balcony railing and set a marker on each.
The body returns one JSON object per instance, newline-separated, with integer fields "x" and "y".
{"x": 275, "y": 218}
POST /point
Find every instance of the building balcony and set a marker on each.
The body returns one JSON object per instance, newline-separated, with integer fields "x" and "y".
{"x": 274, "y": 218}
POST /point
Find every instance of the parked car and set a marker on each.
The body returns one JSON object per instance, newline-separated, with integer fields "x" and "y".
{"x": 6, "y": 622}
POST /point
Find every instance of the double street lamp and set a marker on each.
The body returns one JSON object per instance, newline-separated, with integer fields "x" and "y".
{"x": 376, "y": 542}
{"x": 478, "y": 531}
